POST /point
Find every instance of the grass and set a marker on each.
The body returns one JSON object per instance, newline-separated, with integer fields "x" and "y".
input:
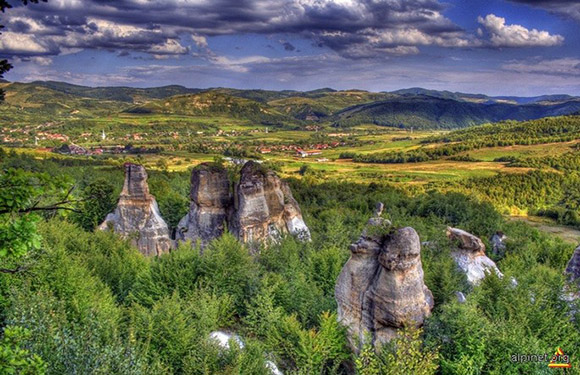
{"x": 547, "y": 149}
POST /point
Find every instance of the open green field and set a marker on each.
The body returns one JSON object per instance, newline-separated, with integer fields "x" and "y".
{"x": 327, "y": 164}
{"x": 522, "y": 168}
{"x": 522, "y": 151}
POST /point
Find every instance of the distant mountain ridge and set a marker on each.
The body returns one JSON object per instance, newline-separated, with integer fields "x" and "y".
{"x": 413, "y": 107}
{"x": 482, "y": 97}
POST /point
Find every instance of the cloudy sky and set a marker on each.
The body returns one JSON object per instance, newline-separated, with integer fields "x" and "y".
{"x": 515, "y": 47}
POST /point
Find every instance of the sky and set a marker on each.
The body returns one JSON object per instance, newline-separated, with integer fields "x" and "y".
{"x": 494, "y": 47}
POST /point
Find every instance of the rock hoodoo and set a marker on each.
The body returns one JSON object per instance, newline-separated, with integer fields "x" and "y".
{"x": 137, "y": 215}
{"x": 470, "y": 256}
{"x": 211, "y": 200}
{"x": 261, "y": 209}
{"x": 380, "y": 289}
{"x": 265, "y": 208}
{"x": 573, "y": 267}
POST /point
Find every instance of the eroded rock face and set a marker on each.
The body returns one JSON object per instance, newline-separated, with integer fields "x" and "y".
{"x": 260, "y": 210}
{"x": 381, "y": 288}
{"x": 211, "y": 200}
{"x": 573, "y": 267}
{"x": 470, "y": 256}
{"x": 137, "y": 215}
{"x": 265, "y": 208}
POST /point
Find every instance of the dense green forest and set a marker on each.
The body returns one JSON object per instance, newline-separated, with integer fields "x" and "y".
{"x": 509, "y": 133}
{"x": 76, "y": 301}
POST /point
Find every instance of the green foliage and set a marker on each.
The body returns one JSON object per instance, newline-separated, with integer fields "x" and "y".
{"x": 16, "y": 360}
{"x": 94, "y": 304}
{"x": 229, "y": 269}
{"x": 97, "y": 201}
{"x": 73, "y": 320}
{"x": 179, "y": 271}
{"x": 318, "y": 351}
{"x": 171, "y": 192}
{"x": 404, "y": 355}
{"x": 22, "y": 195}
{"x": 508, "y": 133}
{"x": 112, "y": 260}
{"x": 428, "y": 112}
{"x": 322, "y": 351}
{"x": 459, "y": 210}
{"x": 174, "y": 327}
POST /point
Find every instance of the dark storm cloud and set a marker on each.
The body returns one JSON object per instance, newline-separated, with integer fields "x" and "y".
{"x": 353, "y": 28}
{"x": 288, "y": 46}
{"x": 562, "y": 8}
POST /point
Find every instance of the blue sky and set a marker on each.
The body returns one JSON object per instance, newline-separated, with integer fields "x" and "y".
{"x": 496, "y": 47}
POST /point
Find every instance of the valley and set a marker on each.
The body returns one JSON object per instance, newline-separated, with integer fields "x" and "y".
{"x": 160, "y": 219}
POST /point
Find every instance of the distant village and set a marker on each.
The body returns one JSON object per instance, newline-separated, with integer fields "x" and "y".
{"x": 69, "y": 147}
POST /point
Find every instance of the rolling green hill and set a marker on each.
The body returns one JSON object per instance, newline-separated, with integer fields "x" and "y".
{"x": 319, "y": 104}
{"x": 427, "y": 112}
{"x": 417, "y": 108}
{"x": 27, "y": 101}
{"x": 211, "y": 103}
{"x": 122, "y": 94}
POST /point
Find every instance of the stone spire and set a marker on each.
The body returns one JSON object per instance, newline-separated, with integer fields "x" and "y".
{"x": 381, "y": 287}
{"x": 211, "y": 200}
{"x": 137, "y": 215}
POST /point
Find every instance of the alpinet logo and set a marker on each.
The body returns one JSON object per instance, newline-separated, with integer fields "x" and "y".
{"x": 560, "y": 360}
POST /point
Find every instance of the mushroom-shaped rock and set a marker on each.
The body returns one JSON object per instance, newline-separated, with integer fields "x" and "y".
{"x": 211, "y": 200}
{"x": 381, "y": 289}
{"x": 470, "y": 256}
{"x": 265, "y": 208}
{"x": 137, "y": 215}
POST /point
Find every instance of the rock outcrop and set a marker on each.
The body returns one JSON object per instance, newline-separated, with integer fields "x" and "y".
{"x": 380, "y": 289}
{"x": 498, "y": 245}
{"x": 470, "y": 256}
{"x": 573, "y": 267}
{"x": 211, "y": 200}
{"x": 262, "y": 208}
{"x": 137, "y": 215}
{"x": 265, "y": 208}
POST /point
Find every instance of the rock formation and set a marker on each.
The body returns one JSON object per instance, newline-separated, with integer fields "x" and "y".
{"x": 211, "y": 200}
{"x": 573, "y": 267}
{"x": 381, "y": 288}
{"x": 498, "y": 245}
{"x": 137, "y": 215}
{"x": 261, "y": 209}
{"x": 470, "y": 256}
{"x": 265, "y": 208}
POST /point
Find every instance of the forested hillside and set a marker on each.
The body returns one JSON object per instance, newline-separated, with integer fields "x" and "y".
{"x": 412, "y": 108}
{"x": 81, "y": 301}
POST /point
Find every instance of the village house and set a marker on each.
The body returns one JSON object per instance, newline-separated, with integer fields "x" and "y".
{"x": 306, "y": 153}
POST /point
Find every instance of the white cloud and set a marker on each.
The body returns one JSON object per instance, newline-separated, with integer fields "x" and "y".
{"x": 502, "y": 35}
{"x": 21, "y": 44}
{"x": 170, "y": 47}
{"x": 41, "y": 60}
{"x": 565, "y": 66}
{"x": 200, "y": 40}
{"x": 349, "y": 27}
